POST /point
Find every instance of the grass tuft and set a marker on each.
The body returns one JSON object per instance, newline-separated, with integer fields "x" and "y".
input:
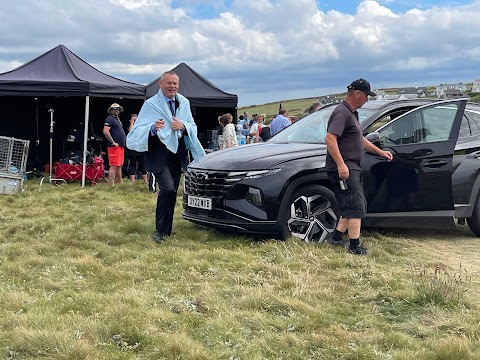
{"x": 438, "y": 286}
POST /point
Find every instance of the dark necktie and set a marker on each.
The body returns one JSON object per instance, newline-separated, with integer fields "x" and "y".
{"x": 172, "y": 107}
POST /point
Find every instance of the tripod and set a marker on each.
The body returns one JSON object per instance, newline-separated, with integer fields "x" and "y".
{"x": 50, "y": 179}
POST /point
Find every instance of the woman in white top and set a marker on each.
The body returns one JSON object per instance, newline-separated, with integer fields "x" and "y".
{"x": 256, "y": 129}
{"x": 229, "y": 132}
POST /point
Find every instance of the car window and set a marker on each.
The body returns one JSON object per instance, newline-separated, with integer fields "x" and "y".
{"x": 310, "y": 129}
{"x": 465, "y": 128}
{"x": 428, "y": 124}
{"x": 386, "y": 119}
{"x": 313, "y": 128}
{"x": 378, "y": 124}
{"x": 473, "y": 121}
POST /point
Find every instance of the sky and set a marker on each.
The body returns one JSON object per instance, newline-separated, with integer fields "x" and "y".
{"x": 262, "y": 50}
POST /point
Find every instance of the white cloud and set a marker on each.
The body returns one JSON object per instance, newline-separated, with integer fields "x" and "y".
{"x": 371, "y": 9}
{"x": 271, "y": 47}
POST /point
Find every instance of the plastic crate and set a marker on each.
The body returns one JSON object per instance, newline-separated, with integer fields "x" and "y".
{"x": 13, "y": 164}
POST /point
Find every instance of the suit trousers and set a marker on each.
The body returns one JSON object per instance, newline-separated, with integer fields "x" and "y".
{"x": 168, "y": 181}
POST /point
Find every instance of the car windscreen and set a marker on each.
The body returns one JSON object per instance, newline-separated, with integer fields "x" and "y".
{"x": 313, "y": 128}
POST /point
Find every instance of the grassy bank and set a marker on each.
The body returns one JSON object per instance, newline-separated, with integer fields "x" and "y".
{"x": 297, "y": 107}
{"x": 81, "y": 278}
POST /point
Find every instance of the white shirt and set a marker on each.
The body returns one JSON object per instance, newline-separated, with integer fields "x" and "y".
{"x": 254, "y": 128}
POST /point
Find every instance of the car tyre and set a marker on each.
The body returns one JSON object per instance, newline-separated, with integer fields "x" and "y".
{"x": 474, "y": 221}
{"x": 311, "y": 214}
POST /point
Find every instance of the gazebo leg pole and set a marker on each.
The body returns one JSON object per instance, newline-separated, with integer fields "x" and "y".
{"x": 85, "y": 138}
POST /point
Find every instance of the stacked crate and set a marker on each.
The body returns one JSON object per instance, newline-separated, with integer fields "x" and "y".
{"x": 13, "y": 164}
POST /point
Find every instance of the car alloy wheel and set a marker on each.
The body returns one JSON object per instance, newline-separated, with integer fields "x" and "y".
{"x": 312, "y": 217}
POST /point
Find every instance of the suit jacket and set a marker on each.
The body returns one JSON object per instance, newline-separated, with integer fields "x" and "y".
{"x": 158, "y": 156}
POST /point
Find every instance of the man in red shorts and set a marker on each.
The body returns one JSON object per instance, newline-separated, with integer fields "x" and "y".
{"x": 115, "y": 135}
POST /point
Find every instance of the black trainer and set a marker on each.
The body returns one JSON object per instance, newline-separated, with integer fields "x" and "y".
{"x": 339, "y": 243}
{"x": 359, "y": 250}
{"x": 158, "y": 236}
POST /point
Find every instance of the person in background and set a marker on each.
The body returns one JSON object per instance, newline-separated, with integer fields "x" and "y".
{"x": 135, "y": 159}
{"x": 229, "y": 131}
{"x": 164, "y": 121}
{"x": 255, "y": 128}
{"x": 240, "y": 123}
{"x": 293, "y": 119}
{"x": 115, "y": 135}
{"x": 280, "y": 122}
{"x": 245, "y": 116}
{"x": 265, "y": 132}
{"x": 345, "y": 148}
{"x": 315, "y": 107}
{"x": 245, "y": 126}
{"x": 221, "y": 125}
{"x": 252, "y": 121}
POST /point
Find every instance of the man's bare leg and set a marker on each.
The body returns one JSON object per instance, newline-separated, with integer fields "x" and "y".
{"x": 111, "y": 175}
{"x": 118, "y": 174}
{"x": 342, "y": 225}
{"x": 354, "y": 226}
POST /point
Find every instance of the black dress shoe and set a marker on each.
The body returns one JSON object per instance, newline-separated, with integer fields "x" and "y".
{"x": 158, "y": 236}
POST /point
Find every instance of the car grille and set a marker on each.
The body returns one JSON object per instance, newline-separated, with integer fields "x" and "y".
{"x": 211, "y": 214}
{"x": 212, "y": 184}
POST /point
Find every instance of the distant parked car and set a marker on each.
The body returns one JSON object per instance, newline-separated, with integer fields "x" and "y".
{"x": 280, "y": 187}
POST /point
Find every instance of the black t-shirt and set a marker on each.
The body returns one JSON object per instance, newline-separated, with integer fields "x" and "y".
{"x": 344, "y": 123}
{"x": 116, "y": 130}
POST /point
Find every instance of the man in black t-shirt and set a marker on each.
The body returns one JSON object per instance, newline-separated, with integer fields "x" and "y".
{"x": 346, "y": 146}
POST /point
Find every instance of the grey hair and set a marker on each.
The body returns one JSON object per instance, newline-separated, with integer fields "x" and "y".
{"x": 168, "y": 73}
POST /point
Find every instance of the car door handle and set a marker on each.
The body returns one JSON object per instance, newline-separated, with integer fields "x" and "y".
{"x": 435, "y": 163}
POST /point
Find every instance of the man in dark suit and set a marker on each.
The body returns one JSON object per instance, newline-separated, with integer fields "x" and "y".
{"x": 165, "y": 165}
{"x": 163, "y": 125}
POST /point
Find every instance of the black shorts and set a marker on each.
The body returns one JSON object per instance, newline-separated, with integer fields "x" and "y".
{"x": 351, "y": 202}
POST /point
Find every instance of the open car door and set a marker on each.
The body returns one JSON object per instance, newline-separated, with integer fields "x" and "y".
{"x": 419, "y": 178}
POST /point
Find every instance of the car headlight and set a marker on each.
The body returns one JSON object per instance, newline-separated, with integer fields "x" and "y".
{"x": 260, "y": 173}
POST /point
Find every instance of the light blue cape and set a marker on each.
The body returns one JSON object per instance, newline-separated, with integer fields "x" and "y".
{"x": 157, "y": 108}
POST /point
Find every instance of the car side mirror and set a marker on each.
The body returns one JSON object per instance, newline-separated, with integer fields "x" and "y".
{"x": 374, "y": 138}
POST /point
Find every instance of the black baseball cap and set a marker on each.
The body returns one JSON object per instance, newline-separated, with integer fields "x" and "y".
{"x": 361, "y": 85}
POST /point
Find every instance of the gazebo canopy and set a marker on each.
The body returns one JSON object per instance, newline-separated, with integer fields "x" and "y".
{"x": 59, "y": 72}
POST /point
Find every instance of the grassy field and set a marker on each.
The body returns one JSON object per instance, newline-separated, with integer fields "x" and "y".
{"x": 81, "y": 278}
{"x": 298, "y": 107}
{"x": 295, "y": 107}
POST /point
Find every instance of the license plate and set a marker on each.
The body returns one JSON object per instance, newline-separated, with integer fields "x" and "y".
{"x": 200, "y": 202}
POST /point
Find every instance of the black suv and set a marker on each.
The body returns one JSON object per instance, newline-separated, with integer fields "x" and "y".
{"x": 280, "y": 187}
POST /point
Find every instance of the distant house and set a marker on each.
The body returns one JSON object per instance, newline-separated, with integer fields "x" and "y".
{"x": 407, "y": 96}
{"x": 442, "y": 87}
{"x": 381, "y": 95}
{"x": 402, "y": 93}
{"x": 412, "y": 92}
{"x": 453, "y": 94}
{"x": 476, "y": 86}
{"x": 329, "y": 99}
